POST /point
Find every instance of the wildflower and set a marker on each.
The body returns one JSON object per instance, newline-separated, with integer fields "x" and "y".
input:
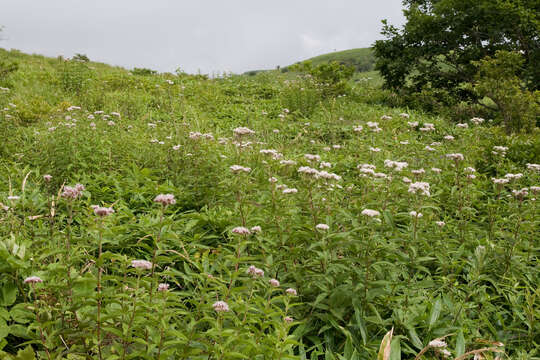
{"x": 239, "y": 168}
{"x": 456, "y": 157}
{"x": 418, "y": 171}
{"x": 374, "y": 149}
{"x": 327, "y": 148}
{"x": 437, "y": 344}
{"x": 165, "y": 199}
{"x": 152, "y": 125}
{"x": 311, "y": 157}
{"x": 220, "y": 306}
{"x": 386, "y": 117}
{"x": 412, "y": 123}
{"x": 406, "y": 180}
{"x": 170, "y": 82}
{"x": 448, "y": 137}
{"x": 535, "y": 189}
{"x": 291, "y": 291}
{"x": 255, "y": 272}
{"x": 141, "y": 264}
{"x": 274, "y": 282}
{"x": 415, "y": 214}
{"x": 93, "y": 125}
{"x": 326, "y": 175}
{"x": 163, "y": 287}
{"x": 290, "y": 191}
{"x": 47, "y": 177}
{"x": 324, "y": 164}
{"x": 307, "y": 170}
{"x": 72, "y": 192}
{"x": 275, "y": 155}
{"x": 372, "y": 124}
{"x": 440, "y": 223}
{"x": 436, "y": 170}
{"x": 13, "y": 198}
{"x": 471, "y": 176}
{"x": 239, "y": 131}
{"x": 404, "y": 115}
{"x": 500, "y": 181}
{"x": 420, "y": 186}
{"x": 288, "y": 319}
{"x": 256, "y": 229}
{"x": 358, "y": 128}
{"x": 520, "y": 194}
{"x": 513, "y": 176}
{"x": 396, "y": 165}
{"x": 427, "y": 127}
{"x": 323, "y": 227}
{"x": 115, "y": 114}
{"x": 429, "y": 148}
{"x": 102, "y": 211}
{"x": 470, "y": 169}
{"x": 111, "y": 123}
{"x": 176, "y": 147}
{"x": 405, "y": 142}
{"x": 33, "y": 280}
{"x": 477, "y": 120}
{"x": 241, "y": 230}
{"x": 370, "y": 213}
{"x": 462, "y": 126}
{"x": 272, "y": 180}
{"x": 535, "y": 167}
{"x": 194, "y": 135}
{"x": 275, "y": 131}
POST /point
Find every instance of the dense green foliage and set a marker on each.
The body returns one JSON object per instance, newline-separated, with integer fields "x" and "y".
{"x": 465, "y": 269}
{"x": 435, "y": 50}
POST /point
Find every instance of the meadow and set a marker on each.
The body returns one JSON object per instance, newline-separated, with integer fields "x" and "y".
{"x": 173, "y": 216}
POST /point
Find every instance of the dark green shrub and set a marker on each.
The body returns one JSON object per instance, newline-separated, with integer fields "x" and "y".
{"x": 143, "y": 72}
{"x": 497, "y": 79}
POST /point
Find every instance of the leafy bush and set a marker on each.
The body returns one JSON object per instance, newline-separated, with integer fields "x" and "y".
{"x": 498, "y": 80}
{"x": 75, "y": 76}
{"x": 332, "y": 77}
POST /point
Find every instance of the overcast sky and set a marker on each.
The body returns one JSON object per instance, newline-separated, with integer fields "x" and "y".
{"x": 205, "y": 35}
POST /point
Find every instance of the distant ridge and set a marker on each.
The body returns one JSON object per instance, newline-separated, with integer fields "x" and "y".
{"x": 362, "y": 59}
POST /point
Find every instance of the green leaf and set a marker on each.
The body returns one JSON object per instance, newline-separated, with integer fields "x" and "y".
{"x": 8, "y": 294}
{"x": 395, "y": 349}
{"x": 26, "y": 354}
{"x": 435, "y": 312}
{"x": 460, "y": 343}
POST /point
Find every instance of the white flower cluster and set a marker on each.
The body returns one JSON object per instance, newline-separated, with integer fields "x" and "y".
{"x": 419, "y": 187}
{"x": 275, "y": 154}
{"x": 396, "y": 165}
{"x": 239, "y": 131}
{"x": 238, "y": 168}
{"x": 311, "y": 157}
{"x": 427, "y": 127}
{"x": 499, "y": 150}
{"x": 318, "y": 174}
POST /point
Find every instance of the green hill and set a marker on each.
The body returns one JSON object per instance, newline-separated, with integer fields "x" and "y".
{"x": 362, "y": 59}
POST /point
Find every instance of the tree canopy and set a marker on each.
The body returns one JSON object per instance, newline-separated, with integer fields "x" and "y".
{"x": 441, "y": 39}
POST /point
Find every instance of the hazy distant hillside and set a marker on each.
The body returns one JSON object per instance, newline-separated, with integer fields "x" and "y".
{"x": 362, "y": 59}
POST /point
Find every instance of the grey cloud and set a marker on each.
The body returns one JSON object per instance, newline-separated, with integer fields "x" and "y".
{"x": 205, "y": 35}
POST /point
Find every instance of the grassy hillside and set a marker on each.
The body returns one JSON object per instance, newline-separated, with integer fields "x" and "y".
{"x": 362, "y": 59}
{"x": 172, "y": 216}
